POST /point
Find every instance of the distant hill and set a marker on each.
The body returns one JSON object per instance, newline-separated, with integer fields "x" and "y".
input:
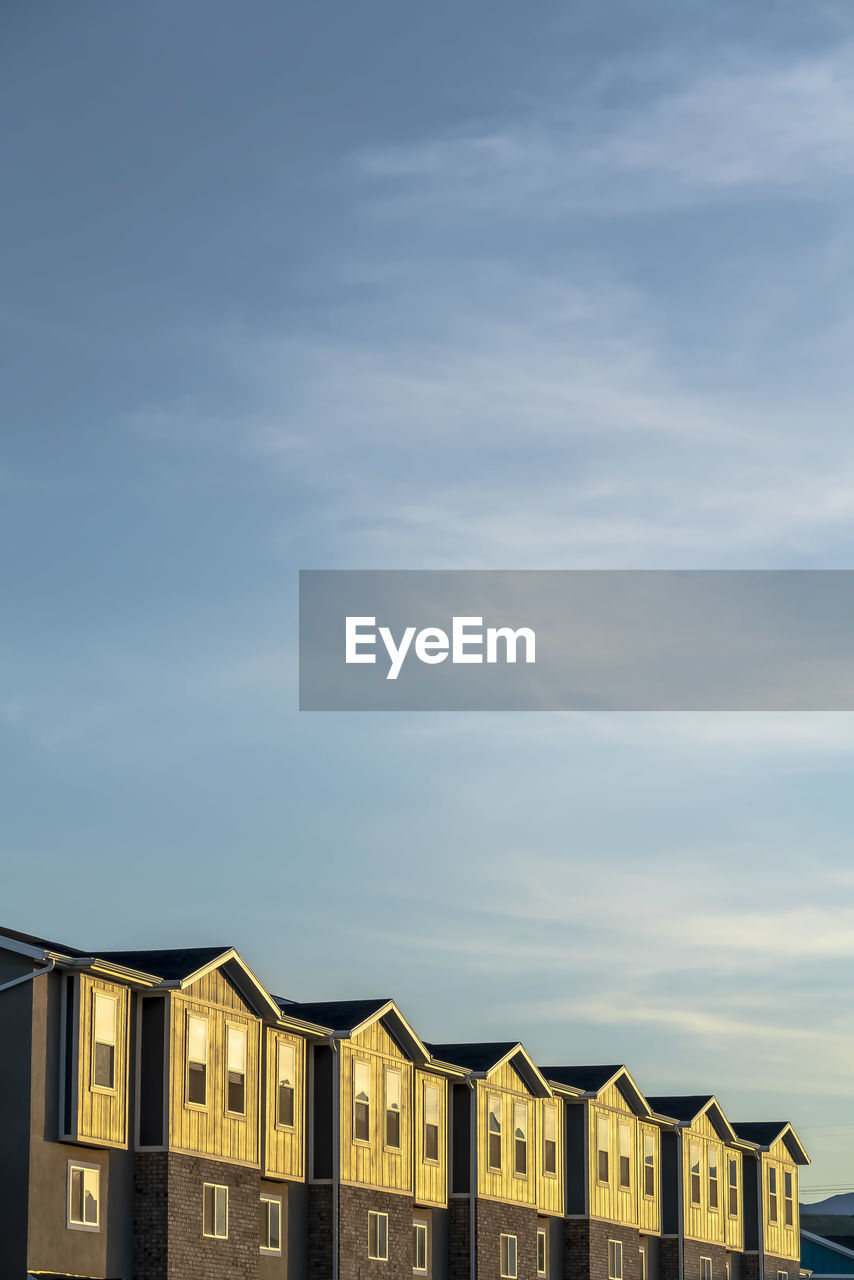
{"x": 843, "y": 1203}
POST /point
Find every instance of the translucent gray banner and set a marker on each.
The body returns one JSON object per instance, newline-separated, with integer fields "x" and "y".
{"x": 575, "y": 640}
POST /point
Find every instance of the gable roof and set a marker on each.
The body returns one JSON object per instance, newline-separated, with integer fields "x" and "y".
{"x": 482, "y": 1057}
{"x": 346, "y": 1018}
{"x": 593, "y": 1080}
{"x": 766, "y": 1132}
{"x": 686, "y": 1108}
{"x": 170, "y": 964}
{"x": 40, "y": 944}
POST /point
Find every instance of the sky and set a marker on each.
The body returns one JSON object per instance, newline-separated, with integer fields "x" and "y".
{"x": 440, "y": 286}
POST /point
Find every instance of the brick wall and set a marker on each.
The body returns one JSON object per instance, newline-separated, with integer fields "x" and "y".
{"x": 459, "y": 1237}
{"x": 694, "y": 1250}
{"x": 773, "y": 1265}
{"x": 750, "y": 1266}
{"x": 586, "y": 1249}
{"x": 319, "y": 1231}
{"x": 668, "y": 1259}
{"x": 150, "y": 1213}
{"x": 354, "y": 1205}
{"x": 492, "y": 1219}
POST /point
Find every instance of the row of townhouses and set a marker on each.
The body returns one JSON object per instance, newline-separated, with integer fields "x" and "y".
{"x": 166, "y": 1118}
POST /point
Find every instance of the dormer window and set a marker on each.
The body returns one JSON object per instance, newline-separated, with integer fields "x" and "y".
{"x": 197, "y": 1061}
{"x": 520, "y": 1139}
{"x": 236, "y": 1067}
{"x": 361, "y": 1100}
{"x": 392, "y": 1109}
{"x": 285, "y": 1084}
{"x": 494, "y": 1144}
{"x": 104, "y": 1036}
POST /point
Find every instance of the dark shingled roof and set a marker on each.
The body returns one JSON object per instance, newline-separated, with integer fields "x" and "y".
{"x": 473, "y": 1057}
{"x": 340, "y": 1015}
{"x": 590, "y": 1079}
{"x": 32, "y": 941}
{"x": 680, "y": 1106}
{"x": 170, "y": 965}
{"x": 761, "y": 1131}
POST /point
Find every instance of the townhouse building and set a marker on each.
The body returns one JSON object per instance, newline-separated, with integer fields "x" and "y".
{"x": 164, "y": 1117}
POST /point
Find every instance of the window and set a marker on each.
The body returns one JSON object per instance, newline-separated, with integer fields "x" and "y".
{"x": 641, "y": 1264}
{"x": 705, "y": 1269}
{"x": 271, "y": 1224}
{"x": 507, "y": 1252}
{"x": 392, "y": 1109}
{"x": 602, "y": 1144}
{"x": 361, "y": 1101}
{"x": 782, "y": 1275}
{"x": 649, "y": 1166}
{"x": 235, "y": 1051}
{"x": 197, "y": 1061}
{"x": 84, "y": 1197}
{"x": 542, "y": 1253}
{"x": 378, "y": 1236}
{"x": 625, "y": 1156}
{"x": 772, "y": 1195}
{"x": 695, "y": 1173}
{"x": 789, "y": 1198}
{"x": 419, "y": 1258}
{"x": 550, "y": 1138}
{"x": 520, "y": 1139}
{"x": 104, "y": 1022}
{"x": 215, "y": 1211}
{"x": 494, "y": 1144}
{"x": 726, "y": 1269}
{"x": 615, "y": 1260}
{"x": 431, "y": 1122}
{"x": 285, "y": 1084}
{"x": 713, "y": 1177}
{"x": 733, "y": 1187}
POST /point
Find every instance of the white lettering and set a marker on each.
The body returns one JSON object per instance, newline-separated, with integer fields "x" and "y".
{"x": 353, "y": 639}
{"x": 462, "y": 638}
{"x": 510, "y": 638}
{"x": 397, "y": 654}
{"x": 431, "y": 645}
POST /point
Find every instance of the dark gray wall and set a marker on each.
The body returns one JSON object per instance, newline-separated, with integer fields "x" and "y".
{"x": 461, "y": 1139}
{"x": 576, "y": 1165}
{"x": 669, "y": 1184}
{"x": 16, "y": 1021}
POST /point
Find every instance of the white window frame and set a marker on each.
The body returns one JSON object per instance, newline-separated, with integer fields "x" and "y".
{"x": 421, "y": 1228}
{"x": 694, "y": 1148}
{"x": 713, "y": 1153}
{"x": 773, "y": 1196}
{"x": 215, "y": 1188}
{"x": 114, "y": 1044}
{"x": 239, "y": 1029}
{"x": 603, "y": 1125}
{"x": 492, "y": 1098}
{"x": 362, "y": 1064}
{"x": 192, "y": 1016}
{"x": 267, "y": 1249}
{"x": 508, "y": 1267}
{"x": 732, "y": 1164}
{"x": 520, "y": 1109}
{"x": 624, "y": 1139}
{"x": 782, "y": 1275}
{"x": 429, "y": 1087}
{"x": 641, "y": 1264}
{"x": 72, "y": 1223}
{"x": 705, "y": 1268}
{"x": 788, "y": 1198}
{"x": 615, "y": 1260}
{"x": 549, "y": 1117}
{"x": 290, "y": 1047}
{"x": 378, "y": 1218}
{"x": 388, "y": 1073}
{"x": 648, "y": 1162}
{"x": 542, "y": 1238}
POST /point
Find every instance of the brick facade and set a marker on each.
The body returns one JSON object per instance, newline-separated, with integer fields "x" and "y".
{"x": 668, "y": 1258}
{"x": 586, "y": 1249}
{"x": 694, "y": 1250}
{"x": 492, "y": 1219}
{"x": 354, "y": 1205}
{"x": 320, "y": 1231}
{"x": 459, "y": 1237}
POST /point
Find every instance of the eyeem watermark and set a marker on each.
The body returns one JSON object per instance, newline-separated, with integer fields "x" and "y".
{"x": 468, "y": 643}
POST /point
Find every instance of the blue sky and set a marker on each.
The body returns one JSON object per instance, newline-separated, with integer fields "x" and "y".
{"x": 387, "y": 286}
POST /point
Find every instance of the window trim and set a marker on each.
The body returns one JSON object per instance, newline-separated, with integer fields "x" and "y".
{"x": 490, "y": 1098}
{"x": 641, "y": 1263}
{"x": 71, "y": 1223}
{"x": 732, "y": 1164}
{"x": 692, "y": 1147}
{"x": 366, "y": 1063}
{"x": 624, "y": 1128}
{"x": 773, "y": 1196}
{"x": 703, "y": 1275}
{"x": 421, "y": 1225}
{"x": 542, "y": 1234}
{"x": 377, "y": 1214}
{"x": 615, "y": 1272}
{"x": 648, "y": 1139}
{"x": 522, "y": 1107}
{"x": 713, "y": 1149}
{"x": 429, "y": 1084}
{"x": 388, "y": 1146}
{"x": 244, "y": 1031}
{"x": 268, "y": 1250}
{"x": 215, "y": 1187}
{"x": 549, "y": 1109}
{"x": 601, "y": 1120}
{"x": 504, "y": 1266}
{"x": 788, "y": 1199}
{"x": 97, "y": 995}
{"x": 283, "y": 1043}
{"x": 200, "y": 1017}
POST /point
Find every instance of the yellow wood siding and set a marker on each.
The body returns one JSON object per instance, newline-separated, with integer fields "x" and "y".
{"x": 431, "y": 1177}
{"x": 702, "y": 1221}
{"x": 372, "y": 1163}
{"x": 210, "y": 1130}
{"x": 780, "y": 1240}
{"x": 284, "y": 1148}
{"x": 102, "y": 1114}
{"x": 550, "y": 1187}
{"x": 649, "y": 1207}
{"x": 503, "y": 1183}
{"x": 608, "y": 1199}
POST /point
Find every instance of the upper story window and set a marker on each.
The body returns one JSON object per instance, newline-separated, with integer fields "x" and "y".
{"x": 431, "y": 1122}
{"x": 603, "y": 1142}
{"x": 772, "y": 1194}
{"x": 235, "y": 1048}
{"x": 392, "y": 1109}
{"x": 493, "y": 1155}
{"x": 270, "y": 1224}
{"x": 285, "y": 1084}
{"x": 549, "y": 1138}
{"x": 197, "y": 1060}
{"x": 507, "y": 1254}
{"x": 733, "y": 1187}
{"x": 625, "y": 1156}
{"x": 104, "y": 1035}
{"x": 520, "y": 1139}
{"x": 84, "y": 1197}
{"x": 215, "y": 1211}
{"x": 695, "y": 1172}
{"x": 649, "y": 1165}
{"x": 361, "y": 1100}
{"x": 789, "y": 1198}
{"x": 713, "y": 1177}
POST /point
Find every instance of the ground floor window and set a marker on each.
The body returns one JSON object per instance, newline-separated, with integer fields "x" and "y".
{"x": 508, "y": 1256}
{"x": 542, "y": 1252}
{"x": 642, "y": 1264}
{"x": 378, "y": 1236}
{"x": 705, "y": 1269}
{"x": 270, "y": 1224}
{"x": 782, "y": 1275}
{"x": 615, "y": 1260}
{"x": 420, "y": 1241}
{"x": 215, "y": 1211}
{"x": 84, "y": 1197}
